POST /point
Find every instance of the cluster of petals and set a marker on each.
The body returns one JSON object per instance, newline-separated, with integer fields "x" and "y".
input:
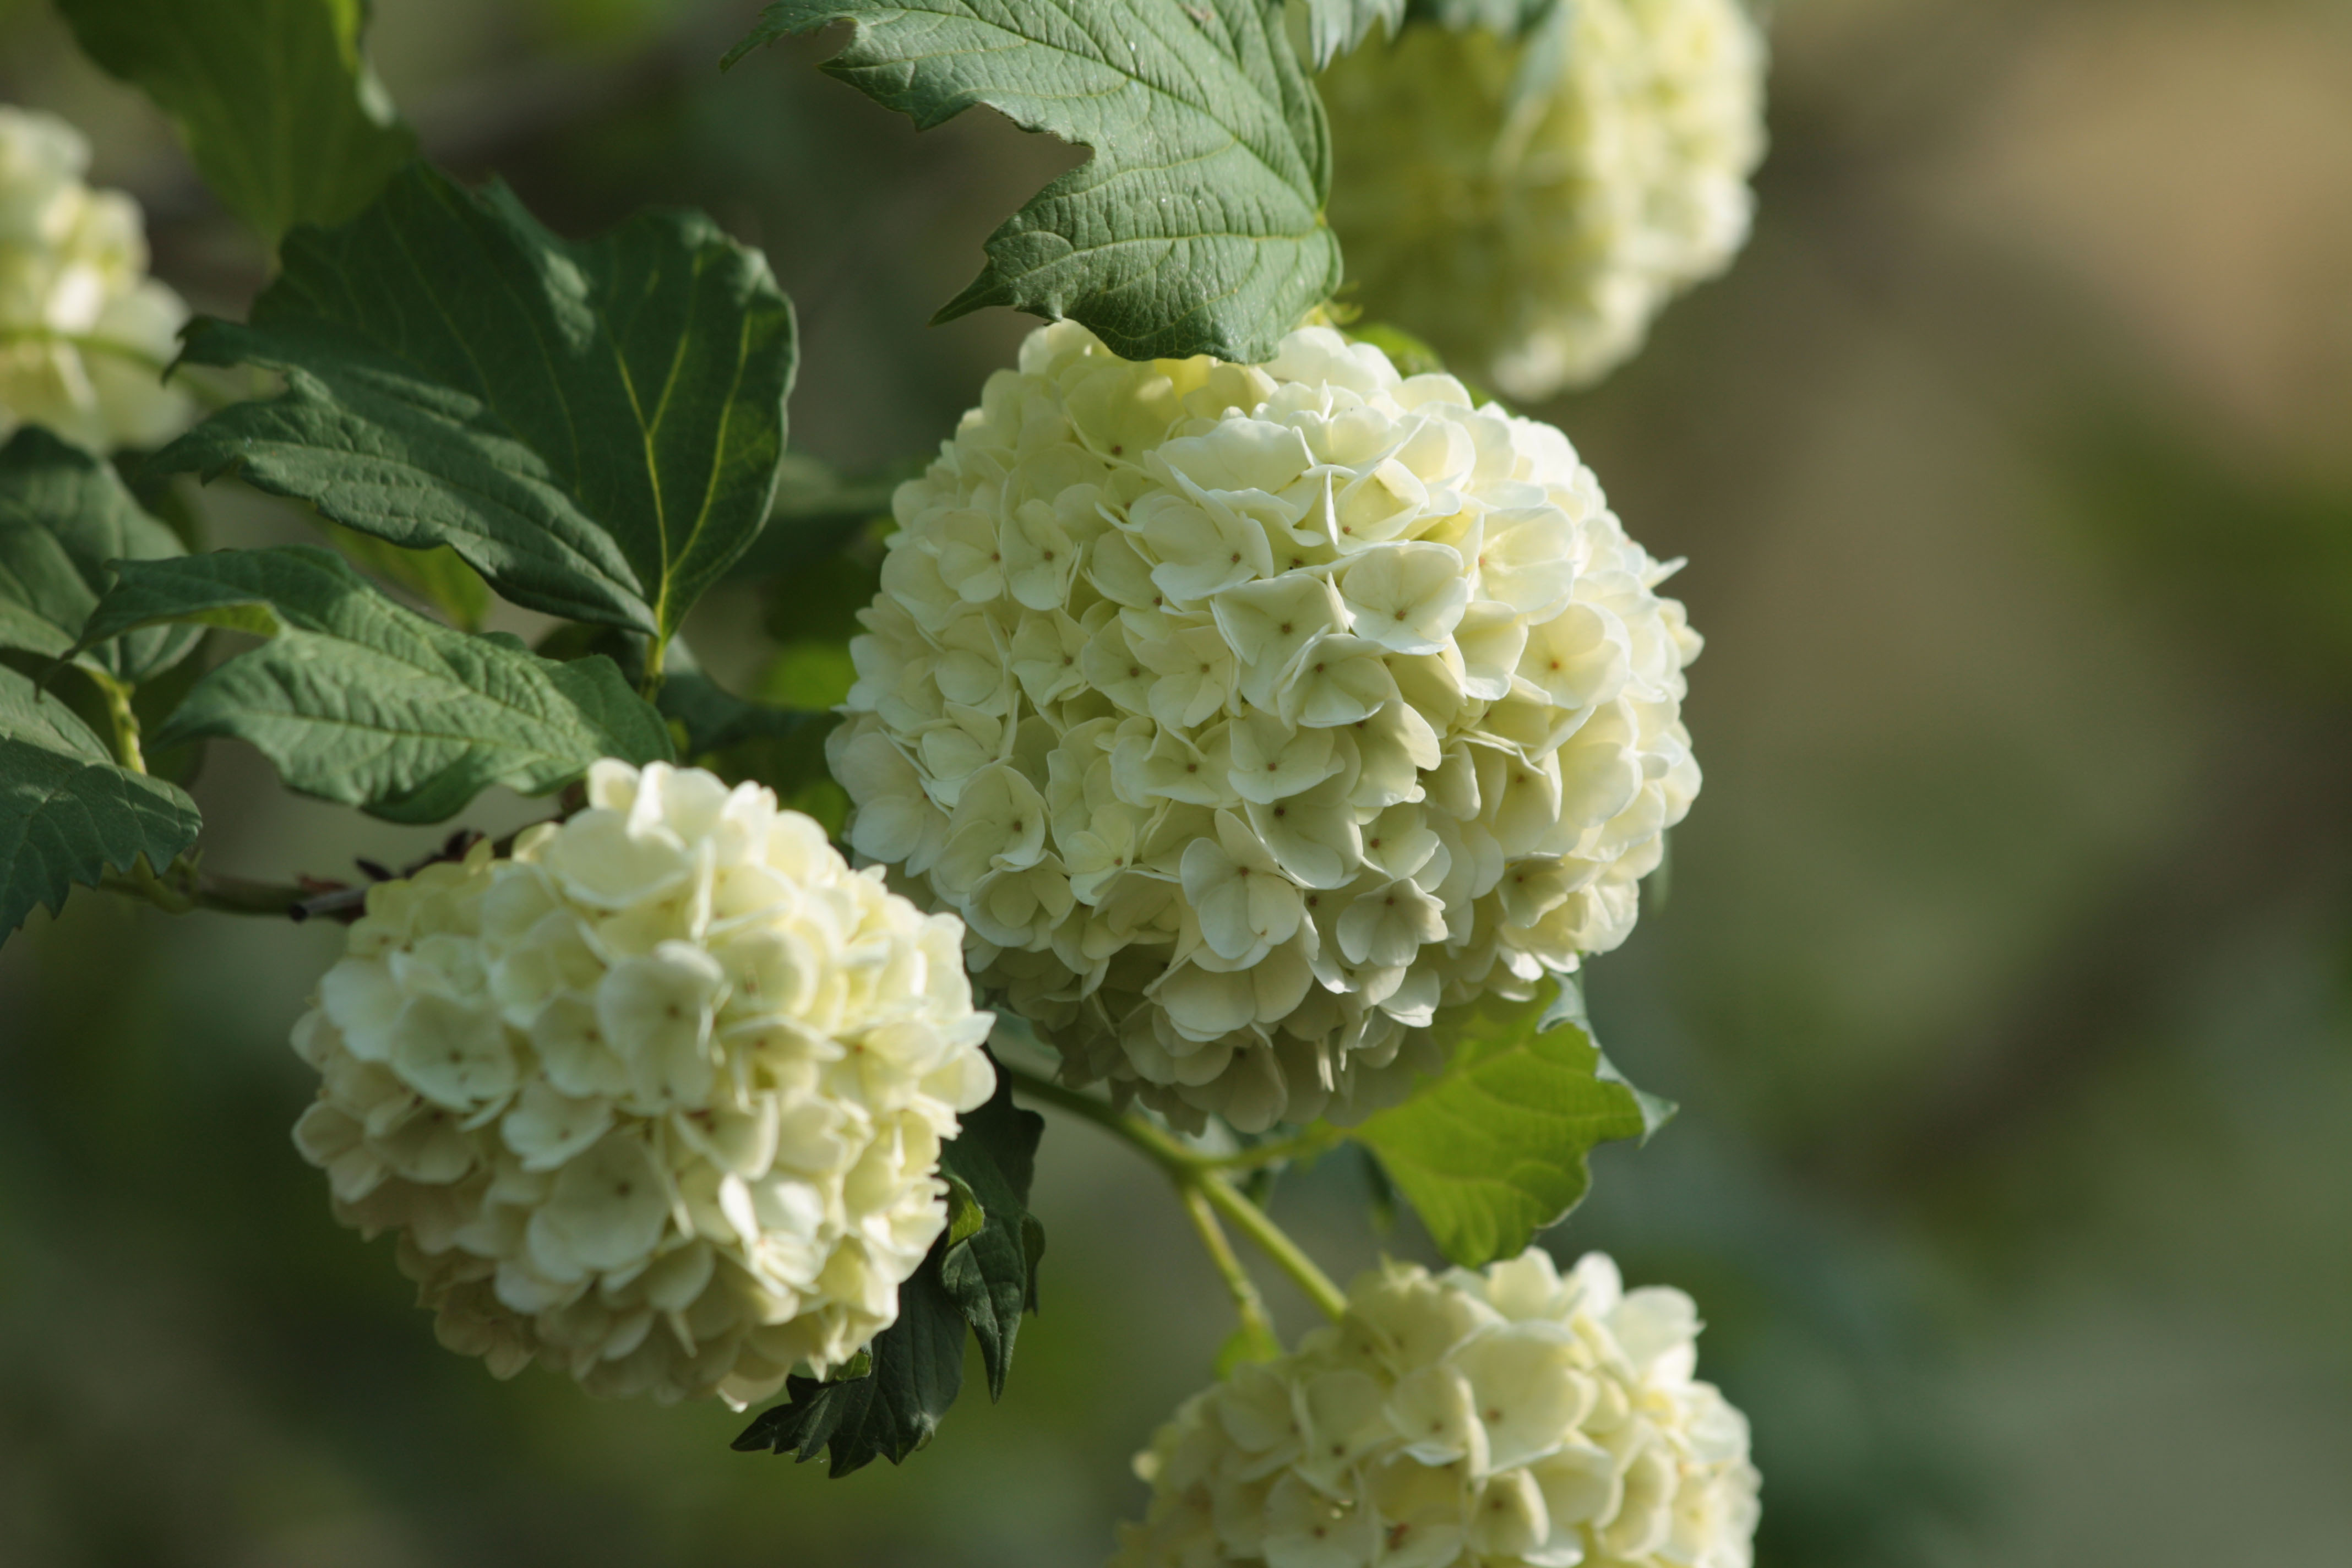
{"x": 84, "y": 332}
{"x": 1247, "y": 715}
{"x": 1510, "y": 1419}
{"x": 658, "y": 1101}
{"x": 1530, "y": 205}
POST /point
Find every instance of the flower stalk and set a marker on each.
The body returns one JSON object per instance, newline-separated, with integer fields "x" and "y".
{"x": 123, "y": 721}
{"x": 1203, "y": 1184}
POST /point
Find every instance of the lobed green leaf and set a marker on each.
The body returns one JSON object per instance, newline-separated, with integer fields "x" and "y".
{"x": 595, "y": 428}
{"x": 359, "y": 700}
{"x": 1197, "y": 226}
{"x": 1493, "y": 1149}
{"x": 64, "y": 515}
{"x": 272, "y": 98}
{"x": 68, "y": 813}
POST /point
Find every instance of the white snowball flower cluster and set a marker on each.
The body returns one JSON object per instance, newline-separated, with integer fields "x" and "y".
{"x": 660, "y": 1100}
{"x": 1508, "y": 1419}
{"x": 84, "y": 332}
{"x": 1528, "y": 207}
{"x": 1249, "y": 714}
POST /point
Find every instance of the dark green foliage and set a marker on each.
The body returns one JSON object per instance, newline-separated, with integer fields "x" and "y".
{"x": 64, "y": 515}
{"x": 595, "y": 428}
{"x": 359, "y": 700}
{"x": 992, "y": 1274}
{"x": 68, "y": 813}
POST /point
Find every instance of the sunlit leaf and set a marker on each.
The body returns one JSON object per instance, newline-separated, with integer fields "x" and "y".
{"x": 359, "y": 700}
{"x": 595, "y": 428}
{"x": 1493, "y": 1149}
{"x": 1197, "y": 226}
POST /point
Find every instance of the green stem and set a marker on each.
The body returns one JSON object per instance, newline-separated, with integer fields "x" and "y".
{"x": 125, "y": 721}
{"x": 180, "y": 889}
{"x": 1248, "y": 1305}
{"x": 649, "y": 686}
{"x": 1180, "y": 1162}
{"x": 1195, "y": 1175}
{"x": 1258, "y": 1226}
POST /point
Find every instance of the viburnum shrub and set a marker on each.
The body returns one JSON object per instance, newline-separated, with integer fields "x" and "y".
{"x": 1253, "y": 729}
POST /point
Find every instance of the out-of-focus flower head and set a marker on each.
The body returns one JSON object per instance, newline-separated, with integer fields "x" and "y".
{"x": 1529, "y": 205}
{"x": 84, "y": 332}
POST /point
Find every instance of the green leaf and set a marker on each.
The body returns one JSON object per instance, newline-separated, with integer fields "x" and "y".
{"x": 992, "y": 1274}
{"x": 1197, "y": 226}
{"x": 362, "y": 701}
{"x": 1335, "y": 27}
{"x": 64, "y": 515}
{"x": 1493, "y": 1149}
{"x": 67, "y": 814}
{"x": 274, "y": 102}
{"x": 965, "y": 1217}
{"x": 917, "y": 1371}
{"x": 985, "y": 1275}
{"x": 595, "y": 428}
{"x": 439, "y": 576}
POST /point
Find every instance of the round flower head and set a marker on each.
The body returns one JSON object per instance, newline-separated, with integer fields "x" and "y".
{"x": 1249, "y": 714}
{"x": 84, "y": 332}
{"x": 658, "y": 1101}
{"x": 1508, "y": 1419}
{"x": 1528, "y": 205}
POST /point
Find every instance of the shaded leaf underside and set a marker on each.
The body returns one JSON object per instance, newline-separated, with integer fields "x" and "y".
{"x": 1494, "y": 1149}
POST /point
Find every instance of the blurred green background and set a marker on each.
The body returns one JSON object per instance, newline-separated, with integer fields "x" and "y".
{"x": 2003, "y": 980}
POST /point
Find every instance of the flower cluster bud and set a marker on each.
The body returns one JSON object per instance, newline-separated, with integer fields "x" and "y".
{"x": 1248, "y": 715}
{"x": 1529, "y": 205}
{"x": 84, "y": 332}
{"x": 658, "y": 1101}
{"x": 1513, "y": 1418}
